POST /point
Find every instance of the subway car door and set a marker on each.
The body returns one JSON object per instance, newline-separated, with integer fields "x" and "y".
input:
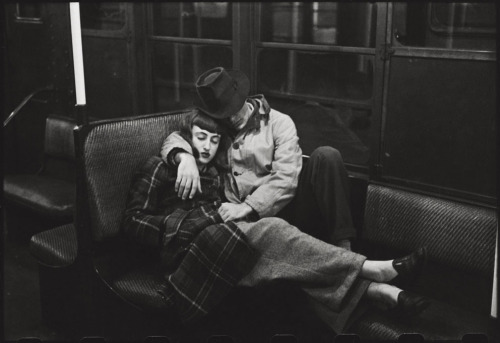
{"x": 438, "y": 120}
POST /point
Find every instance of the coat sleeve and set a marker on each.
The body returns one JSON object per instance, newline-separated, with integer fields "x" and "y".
{"x": 279, "y": 189}
{"x": 142, "y": 218}
{"x": 173, "y": 144}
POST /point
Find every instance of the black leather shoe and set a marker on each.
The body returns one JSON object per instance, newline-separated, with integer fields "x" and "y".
{"x": 410, "y": 266}
{"x": 410, "y": 305}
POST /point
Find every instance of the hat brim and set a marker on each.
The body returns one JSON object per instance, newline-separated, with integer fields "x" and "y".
{"x": 237, "y": 101}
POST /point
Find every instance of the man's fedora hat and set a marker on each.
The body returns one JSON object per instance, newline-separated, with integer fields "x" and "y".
{"x": 222, "y": 92}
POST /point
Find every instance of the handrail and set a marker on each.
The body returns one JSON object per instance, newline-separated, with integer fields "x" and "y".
{"x": 24, "y": 102}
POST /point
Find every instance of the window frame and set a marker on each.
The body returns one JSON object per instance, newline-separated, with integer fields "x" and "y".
{"x": 28, "y": 20}
{"x": 291, "y": 47}
{"x": 440, "y": 28}
{"x": 246, "y": 46}
{"x": 123, "y": 32}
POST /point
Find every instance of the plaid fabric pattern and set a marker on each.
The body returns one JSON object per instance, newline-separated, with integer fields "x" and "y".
{"x": 207, "y": 258}
{"x": 184, "y": 226}
{"x": 152, "y": 198}
{"x": 202, "y": 258}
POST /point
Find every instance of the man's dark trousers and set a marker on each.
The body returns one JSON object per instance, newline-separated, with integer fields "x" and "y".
{"x": 321, "y": 204}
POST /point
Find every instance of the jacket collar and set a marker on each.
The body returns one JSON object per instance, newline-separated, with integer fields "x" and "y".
{"x": 261, "y": 110}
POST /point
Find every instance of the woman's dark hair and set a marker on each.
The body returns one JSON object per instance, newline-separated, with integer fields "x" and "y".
{"x": 205, "y": 122}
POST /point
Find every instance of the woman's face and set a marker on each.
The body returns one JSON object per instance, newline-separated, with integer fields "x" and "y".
{"x": 206, "y": 143}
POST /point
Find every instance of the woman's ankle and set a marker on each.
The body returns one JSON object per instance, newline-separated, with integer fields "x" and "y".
{"x": 379, "y": 271}
{"x": 383, "y": 294}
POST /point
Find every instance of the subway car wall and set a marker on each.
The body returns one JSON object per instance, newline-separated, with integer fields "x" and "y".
{"x": 393, "y": 109}
{"x": 406, "y": 91}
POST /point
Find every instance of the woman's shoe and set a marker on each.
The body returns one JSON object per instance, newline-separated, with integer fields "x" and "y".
{"x": 409, "y": 267}
{"x": 410, "y": 305}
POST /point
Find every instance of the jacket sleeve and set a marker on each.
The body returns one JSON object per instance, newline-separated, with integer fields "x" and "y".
{"x": 142, "y": 219}
{"x": 279, "y": 188}
{"x": 173, "y": 144}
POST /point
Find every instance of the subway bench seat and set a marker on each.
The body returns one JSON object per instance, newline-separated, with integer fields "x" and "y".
{"x": 460, "y": 240}
{"x": 90, "y": 273}
{"x": 49, "y": 194}
{"x": 458, "y": 278}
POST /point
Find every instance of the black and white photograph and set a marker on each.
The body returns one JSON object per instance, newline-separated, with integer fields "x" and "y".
{"x": 247, "y": 172}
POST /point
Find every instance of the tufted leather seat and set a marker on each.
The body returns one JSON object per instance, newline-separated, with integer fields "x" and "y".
{"x": 50, "y": 193}
{"x": 460, "y": 241}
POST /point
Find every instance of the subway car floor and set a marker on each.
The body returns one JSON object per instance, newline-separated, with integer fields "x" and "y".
{"x": 21, "y": 305}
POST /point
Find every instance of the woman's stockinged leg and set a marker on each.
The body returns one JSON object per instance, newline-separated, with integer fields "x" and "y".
{"x": 381, "y": 271}
{"x": 406, "y": 304}
{"x": 383, "y": 293}
{"x": 384, "y": 271}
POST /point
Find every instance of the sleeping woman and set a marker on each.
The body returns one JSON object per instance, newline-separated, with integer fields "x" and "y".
{"x": 190, "y": 232}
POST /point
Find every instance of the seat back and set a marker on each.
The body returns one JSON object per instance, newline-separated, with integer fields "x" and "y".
{"x": 460, "y": 240}
{"x": 59, "y": 141}
{"x": 457, "y": 235}
{"x": 59, "y": 147}
{"x": 112, "y": 151}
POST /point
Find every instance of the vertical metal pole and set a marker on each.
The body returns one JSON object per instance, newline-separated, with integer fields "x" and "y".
{"x": 380, "y": 84}
{"x": 196, "y": 48}
{"x": 451, "y": 23}
{"x": 244, "y": 22}
{"x": 292, "y": 55}
{"x": 81, "y": 114}
{"x": 494, "y": 295}
{"x": 76, "y": 38}
{"x": 177, "y": 72}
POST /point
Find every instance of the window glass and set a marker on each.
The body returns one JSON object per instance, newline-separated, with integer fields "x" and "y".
{"x": 330, "y": 23}
{"x": 30, "y": 11}
{"x": 469, "y": 26}
{"x": 176, "y": 67}
{"x": 345, "y": 128}
{"x": 193, "y": 19}
{"x": 316, "y": 74}
{"x": 102, "y": 15}
{"x": 441, "y": 130}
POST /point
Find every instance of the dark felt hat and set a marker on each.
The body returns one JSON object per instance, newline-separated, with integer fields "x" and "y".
{"x": 222, "y": 92}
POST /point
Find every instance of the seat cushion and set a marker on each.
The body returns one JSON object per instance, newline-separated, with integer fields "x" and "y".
{"x": 44, "y": 195}
{"x": 140, "y": 287}
{"x": 56, "y": 247}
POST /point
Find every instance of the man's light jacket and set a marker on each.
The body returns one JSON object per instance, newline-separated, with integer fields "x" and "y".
{"x": 265, "y": 160}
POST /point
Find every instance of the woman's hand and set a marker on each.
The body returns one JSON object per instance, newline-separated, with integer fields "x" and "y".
{"x": 229, "y": 211}
{"x": 188, "y": 176}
